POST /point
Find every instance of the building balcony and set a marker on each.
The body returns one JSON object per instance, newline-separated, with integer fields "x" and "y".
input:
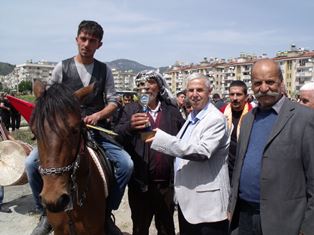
{"x": 301, "y": 80}
{"x": 306, "y": 65}
{"x": 304, "y": 74}
{"x": 229, "y": 78}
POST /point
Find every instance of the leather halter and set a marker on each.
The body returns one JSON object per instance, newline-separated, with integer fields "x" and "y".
{"x": 72, "y": 167}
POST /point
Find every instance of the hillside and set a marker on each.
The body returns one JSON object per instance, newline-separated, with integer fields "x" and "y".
{"x": 163, "y": 69}
{"x": 6, "y": 68}
{"x": 124, "y": 65}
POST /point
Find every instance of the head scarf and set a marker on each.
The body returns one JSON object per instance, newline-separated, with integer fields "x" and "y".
{"x": 164, "y": 92}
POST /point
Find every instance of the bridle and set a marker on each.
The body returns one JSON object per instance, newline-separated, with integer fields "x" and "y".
{"x": 60, "y": 170}
{"x": 74, "y": 166}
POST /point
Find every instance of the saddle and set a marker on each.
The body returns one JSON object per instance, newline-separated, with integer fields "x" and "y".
{"x": 103, "y": 163}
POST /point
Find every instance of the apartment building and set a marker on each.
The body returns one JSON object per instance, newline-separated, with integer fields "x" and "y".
{"x": 304, "y": 69}
{"x": 238, "y": 69}
{"x": 177, "y": 74}
{"x": 29, "y": 71}
{"x": 297, "y": 68}
{"x": 297, "y": 65}
{"x": 219, "y": 72}
{"x": 123, "y": 80}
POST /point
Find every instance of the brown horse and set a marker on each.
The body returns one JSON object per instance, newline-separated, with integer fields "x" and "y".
{"x": 73, "y": 192}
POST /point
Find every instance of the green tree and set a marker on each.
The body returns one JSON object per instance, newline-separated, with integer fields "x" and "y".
{"x": 25, "y": 87}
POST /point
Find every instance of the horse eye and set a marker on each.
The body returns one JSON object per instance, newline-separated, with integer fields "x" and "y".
{"x": 75, "y": 130}
{"x": 33, "y": 132}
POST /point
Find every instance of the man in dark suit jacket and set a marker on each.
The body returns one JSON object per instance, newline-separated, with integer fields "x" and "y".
{"x": 273, "y": 179}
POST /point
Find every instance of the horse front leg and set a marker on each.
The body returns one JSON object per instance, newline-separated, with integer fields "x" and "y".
{"x": 59, "y": 223}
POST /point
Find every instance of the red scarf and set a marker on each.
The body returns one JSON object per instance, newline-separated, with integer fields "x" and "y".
{"x": 228, "y": 114}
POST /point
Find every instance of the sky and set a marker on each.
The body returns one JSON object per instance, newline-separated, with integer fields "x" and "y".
{"x": 155, "y": 33}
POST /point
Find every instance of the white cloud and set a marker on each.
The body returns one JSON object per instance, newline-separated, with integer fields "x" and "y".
{"x": 153, "y": 31}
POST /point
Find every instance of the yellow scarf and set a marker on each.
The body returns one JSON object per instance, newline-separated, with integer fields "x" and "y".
{"x": 228, "y": 115}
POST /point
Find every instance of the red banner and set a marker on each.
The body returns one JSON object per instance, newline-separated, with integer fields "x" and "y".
{"x": 23, "y": 107}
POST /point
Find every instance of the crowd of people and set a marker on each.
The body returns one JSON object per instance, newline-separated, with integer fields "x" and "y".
{"x": 235, "y": 167}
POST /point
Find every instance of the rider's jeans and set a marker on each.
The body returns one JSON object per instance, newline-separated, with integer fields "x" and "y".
{"x": 34, "y": 178}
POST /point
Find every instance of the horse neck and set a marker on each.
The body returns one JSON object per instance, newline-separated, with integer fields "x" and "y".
{"x": 85, "y": 166}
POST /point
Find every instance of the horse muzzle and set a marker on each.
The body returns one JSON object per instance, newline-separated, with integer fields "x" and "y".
{"x": 59, "y": 205}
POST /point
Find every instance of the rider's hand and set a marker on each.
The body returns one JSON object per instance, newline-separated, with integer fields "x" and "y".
{"x": 92, "y": 119}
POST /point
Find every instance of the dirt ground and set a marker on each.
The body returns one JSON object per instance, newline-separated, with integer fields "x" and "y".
{"x": 19, "y": 222}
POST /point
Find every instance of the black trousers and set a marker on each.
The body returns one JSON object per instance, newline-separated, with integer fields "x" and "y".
{"x": 215, "y": 228}
{"x": 158, "y": 202}
{"x": 5, "y": 117}
{"x": 249, "y": 219}
{"x": 15, "y": 121}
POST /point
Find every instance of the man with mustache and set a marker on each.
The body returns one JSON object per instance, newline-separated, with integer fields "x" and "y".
{"x": 273, "y": 179}
{"x": 234, "y": 112}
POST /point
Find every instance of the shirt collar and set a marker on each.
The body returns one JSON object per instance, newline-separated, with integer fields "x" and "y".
{"x": 157, "y": 109}
{"x": 278, "y": 105}
{"x": 195, "y": 117}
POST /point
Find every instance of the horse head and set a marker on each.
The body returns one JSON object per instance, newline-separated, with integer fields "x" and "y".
{"x": 58, "y": 127}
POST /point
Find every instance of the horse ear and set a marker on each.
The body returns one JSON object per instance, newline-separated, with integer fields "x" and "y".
{"x": 81, "y": 93}
{"x": 39, "y": 88}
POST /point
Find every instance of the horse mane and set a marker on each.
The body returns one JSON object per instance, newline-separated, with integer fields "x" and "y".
{"x": 54, "y": 104}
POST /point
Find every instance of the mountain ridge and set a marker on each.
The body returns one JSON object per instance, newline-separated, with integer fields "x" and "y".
{"x": 126, "y": 64}
{"x": 6, "y": 68}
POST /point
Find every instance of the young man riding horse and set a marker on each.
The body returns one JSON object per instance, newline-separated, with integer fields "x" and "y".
{"x": 77, "y": 72}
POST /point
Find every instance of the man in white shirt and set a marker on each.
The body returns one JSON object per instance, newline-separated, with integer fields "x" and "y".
{"x": 201, "y": 173}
